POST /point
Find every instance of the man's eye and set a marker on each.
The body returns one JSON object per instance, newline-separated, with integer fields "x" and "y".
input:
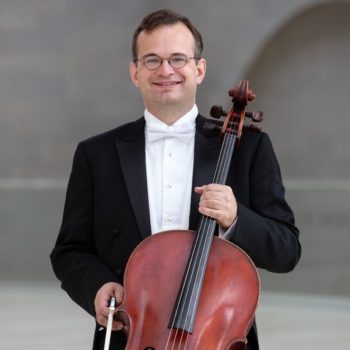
{"x": 178, "y": 59}
{"x": 152, "y": 60}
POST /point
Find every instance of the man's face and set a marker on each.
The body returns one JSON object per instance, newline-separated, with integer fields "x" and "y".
{"x": 167, "y": 88}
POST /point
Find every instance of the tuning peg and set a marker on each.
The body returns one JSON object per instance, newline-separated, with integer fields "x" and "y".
{"x": 256, "y": 116}
{"x": 217, "y": 112}
{"x": 211, "y": 126}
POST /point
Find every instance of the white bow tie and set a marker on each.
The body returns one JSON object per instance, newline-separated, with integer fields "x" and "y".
{"x": 157, "y": 132}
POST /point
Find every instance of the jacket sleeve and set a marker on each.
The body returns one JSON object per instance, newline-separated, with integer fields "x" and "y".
{"x": 265, "y": 227}
{"x": 74, "y": 258}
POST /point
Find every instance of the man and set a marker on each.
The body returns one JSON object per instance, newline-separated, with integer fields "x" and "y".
{"x": 154, "y": 174}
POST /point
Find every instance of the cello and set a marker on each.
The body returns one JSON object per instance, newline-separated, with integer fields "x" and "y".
{"x": 192, "y": 290}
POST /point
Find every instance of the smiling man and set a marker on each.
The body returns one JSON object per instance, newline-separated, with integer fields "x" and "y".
{"x": 154, "y": 174}
{"x": 167, "y": 69}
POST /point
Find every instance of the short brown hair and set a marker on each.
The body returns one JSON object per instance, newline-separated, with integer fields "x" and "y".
{"x": 166, "y": 17}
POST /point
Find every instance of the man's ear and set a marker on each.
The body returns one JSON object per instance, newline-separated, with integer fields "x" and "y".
{"x": 133, "y": 73}
{"x": 201, "y": 69}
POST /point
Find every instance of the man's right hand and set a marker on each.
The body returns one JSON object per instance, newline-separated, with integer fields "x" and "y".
{"x": 103, "y": 296}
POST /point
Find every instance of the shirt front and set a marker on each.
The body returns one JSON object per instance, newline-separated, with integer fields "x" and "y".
{"x": 169, "y": 167}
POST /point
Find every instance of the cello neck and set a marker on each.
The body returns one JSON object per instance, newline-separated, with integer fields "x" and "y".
{"x": 184, "y": 312}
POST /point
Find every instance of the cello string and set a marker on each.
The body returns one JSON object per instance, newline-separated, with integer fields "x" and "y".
{"x": 186, "y": 277}
{"x": 206, "y": 236}
{"x": 204, "y": 224}
{"x": 219, "y": 177}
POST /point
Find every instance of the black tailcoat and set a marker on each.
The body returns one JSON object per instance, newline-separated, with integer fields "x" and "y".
{"x": 106, "y": 211}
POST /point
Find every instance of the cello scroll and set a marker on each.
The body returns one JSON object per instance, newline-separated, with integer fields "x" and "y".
{"x": 234, "y": 118}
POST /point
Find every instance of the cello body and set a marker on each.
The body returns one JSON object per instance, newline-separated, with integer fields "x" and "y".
{"x": 222, "y": 320}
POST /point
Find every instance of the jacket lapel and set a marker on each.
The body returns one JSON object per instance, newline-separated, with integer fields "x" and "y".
{"x": 206, "y": 154}
{"x": 130, "y": 143}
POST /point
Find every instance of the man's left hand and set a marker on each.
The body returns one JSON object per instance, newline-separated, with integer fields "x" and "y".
{"x": 218, "y": 202}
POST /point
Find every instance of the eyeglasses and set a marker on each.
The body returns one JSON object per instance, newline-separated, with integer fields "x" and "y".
{"x": 176, "y": 61}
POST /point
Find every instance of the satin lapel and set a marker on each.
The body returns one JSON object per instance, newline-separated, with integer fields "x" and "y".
{"x": 206, "y": 154}
{"x": 131, "y": 150}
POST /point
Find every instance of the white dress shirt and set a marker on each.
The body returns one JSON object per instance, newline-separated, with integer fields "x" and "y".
{"x": 169, "y": 167}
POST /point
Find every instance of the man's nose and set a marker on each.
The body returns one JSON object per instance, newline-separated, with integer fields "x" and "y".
{"x": 165, "y": 68}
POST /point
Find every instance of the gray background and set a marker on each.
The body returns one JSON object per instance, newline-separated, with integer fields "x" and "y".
{"x": 64, "y": 77}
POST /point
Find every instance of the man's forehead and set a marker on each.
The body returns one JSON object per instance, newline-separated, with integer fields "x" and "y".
{"x": 170, "y": 31}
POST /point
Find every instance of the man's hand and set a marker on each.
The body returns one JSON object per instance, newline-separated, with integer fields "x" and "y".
{"x": 103, "y": 296}
{"x": 218, "y": 202}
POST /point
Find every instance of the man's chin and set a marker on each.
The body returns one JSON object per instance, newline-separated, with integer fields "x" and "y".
{"x": 168, "y": 100}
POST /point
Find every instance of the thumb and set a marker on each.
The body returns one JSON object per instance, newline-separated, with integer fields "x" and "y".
{"x": 199, "y": 189}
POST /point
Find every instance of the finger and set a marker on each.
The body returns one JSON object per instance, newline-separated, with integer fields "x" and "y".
{"x": 217, "y": 190}
{"x": 199, "y": 189}
{"x": 221, "y": 198}
{"x": 214, "y": 187}
{"x": 117, "y": 325}
{"x": 101, "y": 320}
{"x": 210, "y": 211}
{"x": 209, "y": 198}
{"x": 119, "y": 296}
{"x": 224, "y": 216}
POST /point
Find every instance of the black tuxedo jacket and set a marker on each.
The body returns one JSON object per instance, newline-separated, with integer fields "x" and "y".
{"x": 106, "y": 211}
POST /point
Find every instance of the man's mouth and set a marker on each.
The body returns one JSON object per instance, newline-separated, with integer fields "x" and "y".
{"x": 167, "y": 83}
